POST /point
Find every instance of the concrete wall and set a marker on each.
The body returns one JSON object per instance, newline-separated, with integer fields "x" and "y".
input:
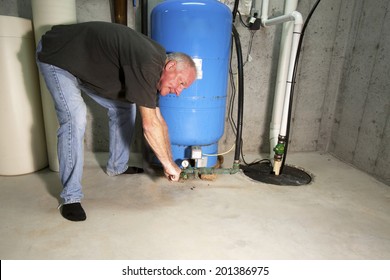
{"x": 361, "y": 131}
{"x": 341, "y": 103}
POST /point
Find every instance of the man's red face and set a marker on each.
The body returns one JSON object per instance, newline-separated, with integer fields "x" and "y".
{"x": 174, "y": 81}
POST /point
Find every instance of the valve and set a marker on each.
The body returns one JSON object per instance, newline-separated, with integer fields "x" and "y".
{"x": 279, "y": 152}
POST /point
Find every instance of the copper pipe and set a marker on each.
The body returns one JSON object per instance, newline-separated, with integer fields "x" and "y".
{"x": 120, "y": 11}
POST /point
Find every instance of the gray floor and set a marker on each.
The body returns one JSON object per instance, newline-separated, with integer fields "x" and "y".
{"x": 342, "y": 214}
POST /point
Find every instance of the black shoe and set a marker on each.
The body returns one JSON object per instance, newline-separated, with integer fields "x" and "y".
{"x": 133, "y": 170}
{"x": 73, "y": 212}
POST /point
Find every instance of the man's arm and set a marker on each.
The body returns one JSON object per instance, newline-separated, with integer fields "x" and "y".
{"x": 156, "y": 134}
{"x": 165, "y": 130}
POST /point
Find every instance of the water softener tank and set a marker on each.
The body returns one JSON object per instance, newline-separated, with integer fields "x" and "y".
{"x": 196, "y": 118}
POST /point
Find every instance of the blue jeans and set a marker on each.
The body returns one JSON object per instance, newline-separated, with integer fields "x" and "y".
{"x": 72, "y": 117}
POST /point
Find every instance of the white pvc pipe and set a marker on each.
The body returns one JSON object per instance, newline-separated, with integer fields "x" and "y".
{"x": 283, "y": 64}
{"x": 264, "y": 10}
{"x": 294, "y": 48}
{"x": 298, "y": 22}
{"x": 47, "y": 13}
{"x": 278, "y": 20}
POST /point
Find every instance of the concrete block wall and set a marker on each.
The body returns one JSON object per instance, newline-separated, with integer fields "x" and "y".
{"x": 361, "y": 131}
{"x": 342, "y": 99}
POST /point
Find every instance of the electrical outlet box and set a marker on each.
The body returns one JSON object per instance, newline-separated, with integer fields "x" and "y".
{"x": 255, "y": 24}
{"x": 196, "y": 152}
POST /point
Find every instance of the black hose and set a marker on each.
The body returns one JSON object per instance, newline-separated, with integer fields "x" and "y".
{"x": 235, "y": 9}
{"x": 293, "y": 82}
{"x": 144, "y": 17}
{"x": 240, "y": 110}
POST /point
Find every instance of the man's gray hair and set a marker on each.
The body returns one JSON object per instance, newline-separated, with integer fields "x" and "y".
{"x": 183, "y": 60}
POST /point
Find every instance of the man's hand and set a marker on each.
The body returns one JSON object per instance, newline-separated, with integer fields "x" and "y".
{"x": 172, "y": 173}
{"x": 156, "y": 134}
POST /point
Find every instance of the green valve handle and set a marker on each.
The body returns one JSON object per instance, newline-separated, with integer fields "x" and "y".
{"x": 279, "y": 149}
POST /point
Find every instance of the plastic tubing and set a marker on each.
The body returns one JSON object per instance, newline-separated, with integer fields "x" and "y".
{"x": 240, "y": 112}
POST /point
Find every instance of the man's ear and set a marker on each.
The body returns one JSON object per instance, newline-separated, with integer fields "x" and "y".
{"x": 171, "y": 65}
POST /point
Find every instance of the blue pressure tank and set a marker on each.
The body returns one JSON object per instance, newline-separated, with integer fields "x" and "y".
{"x": 202, "y": 29}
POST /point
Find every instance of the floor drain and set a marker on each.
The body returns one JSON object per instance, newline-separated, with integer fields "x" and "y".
{"x": 290, "y": 176}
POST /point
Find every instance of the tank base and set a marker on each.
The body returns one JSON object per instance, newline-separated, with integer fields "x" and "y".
{"x": 209, "y": 155}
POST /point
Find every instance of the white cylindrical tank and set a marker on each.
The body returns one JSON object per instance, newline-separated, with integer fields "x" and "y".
{"x": 22, "y": 141}
{"x": 47, "y": 13}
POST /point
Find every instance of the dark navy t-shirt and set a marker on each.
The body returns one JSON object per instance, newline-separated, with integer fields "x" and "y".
{"x": 112, "y": 59}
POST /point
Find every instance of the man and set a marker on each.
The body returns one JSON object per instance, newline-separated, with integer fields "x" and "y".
{"x": 119, "y": 69}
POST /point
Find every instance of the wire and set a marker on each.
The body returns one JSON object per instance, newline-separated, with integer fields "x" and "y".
{"x": 242, "y": 22}
{"x": 232, "y": 98}
{"x": 237, "y": 128}
{"x": 234, "y": 126}
{"x": 248, "y": 54}
{"x": 250, "y": 40}
{"x": 220, "y": 154}
{"x": 293, "y": 81}
{"x": 266, "y": 160}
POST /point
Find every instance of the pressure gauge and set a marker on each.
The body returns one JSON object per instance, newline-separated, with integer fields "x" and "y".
{"x": 185, "y": 163}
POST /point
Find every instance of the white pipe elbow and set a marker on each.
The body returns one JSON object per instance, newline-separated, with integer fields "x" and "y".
{"x": 298, "y": 19}
{"x": 264, "y": 11}
{"x": 294, "y": 16}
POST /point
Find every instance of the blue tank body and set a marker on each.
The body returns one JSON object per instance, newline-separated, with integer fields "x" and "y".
{"x": 201, "y": 29}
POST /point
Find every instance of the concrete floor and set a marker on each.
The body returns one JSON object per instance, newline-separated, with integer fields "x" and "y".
{"x": 343, "y": 214}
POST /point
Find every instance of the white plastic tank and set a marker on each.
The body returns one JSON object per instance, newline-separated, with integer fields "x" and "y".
{"x": 22, "y": 138}
{"x": 47, "y": 13}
